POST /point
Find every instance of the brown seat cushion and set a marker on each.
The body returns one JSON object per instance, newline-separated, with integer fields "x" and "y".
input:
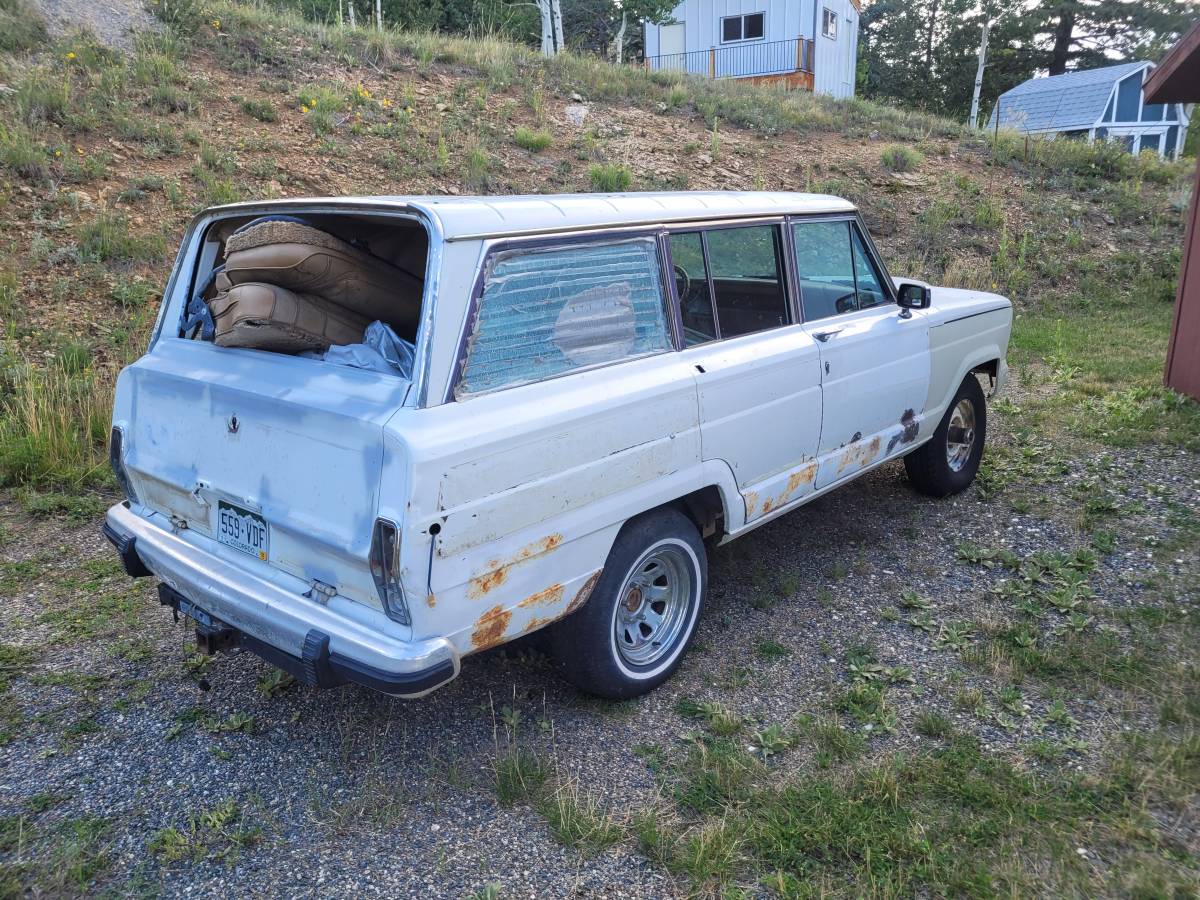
{"x": 269, "y": 317}
{"x": 310, "y": 261}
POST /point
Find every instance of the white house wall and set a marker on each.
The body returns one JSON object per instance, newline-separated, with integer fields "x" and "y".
{"x": 835, "y": 60}
{"x": 783, "y": 21}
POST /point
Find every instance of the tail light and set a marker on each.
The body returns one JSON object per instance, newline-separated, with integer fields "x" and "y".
{"x": 116, "y": 458}
{"x": 385, "y": 569}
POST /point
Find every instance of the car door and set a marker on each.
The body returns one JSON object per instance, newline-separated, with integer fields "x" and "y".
{"x": 758, "y": 373}
{"x": 874, "y": 356}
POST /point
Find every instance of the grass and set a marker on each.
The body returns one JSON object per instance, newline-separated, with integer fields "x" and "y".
{"x": 54, "y": 426}
{"x": 898, "y": 158}
{"x": 107, "y": 238}
{"x": 535, "y": 141}
{"x": 610, "y": 178}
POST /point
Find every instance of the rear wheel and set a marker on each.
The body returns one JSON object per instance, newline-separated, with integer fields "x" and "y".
{"x": 632, "y": 632}
{"x": 948, "y": 462}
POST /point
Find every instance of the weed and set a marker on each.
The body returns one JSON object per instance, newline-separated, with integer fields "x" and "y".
{"x": 771, "y": 650}
{"x": 518, "y": 776}
{"x": 718, "y": 718}
{"x": 578, "y": 820}
{"x": 610, "y": 178}
{"x": 106, "y": 238}
{"x": 898, "y": 158}
{"x": 933, "y": 724}
{"x": 262, "y": 110}
{"x": 535, "y": 141}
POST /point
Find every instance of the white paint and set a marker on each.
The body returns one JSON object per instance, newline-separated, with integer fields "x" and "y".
{"x": 526, "y": 487}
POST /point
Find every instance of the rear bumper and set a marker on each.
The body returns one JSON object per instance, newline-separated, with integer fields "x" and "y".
{"x": 319, "y": 643}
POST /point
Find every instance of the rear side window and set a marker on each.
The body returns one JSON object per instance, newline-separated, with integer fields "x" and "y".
{"x": 747, "y": 277}
{"x": 546, "y": 312}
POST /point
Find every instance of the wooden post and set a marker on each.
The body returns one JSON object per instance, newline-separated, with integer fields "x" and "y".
{"x": 800, "y": 54}
{"x": 712, "y": 62}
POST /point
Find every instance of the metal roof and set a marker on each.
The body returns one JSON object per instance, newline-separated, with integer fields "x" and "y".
{"x": 1064, "y": 102}
{"x": 506, "y": 216}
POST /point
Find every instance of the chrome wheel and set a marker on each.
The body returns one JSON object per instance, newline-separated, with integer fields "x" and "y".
{"x": 960, "y": 435}
{"x": 654, "y": 605}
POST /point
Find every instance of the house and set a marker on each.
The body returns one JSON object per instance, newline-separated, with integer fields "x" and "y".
{"x": 1175, "y": 81}
{"x": 1092, "y": 105}
{"x": 809, "y": 44}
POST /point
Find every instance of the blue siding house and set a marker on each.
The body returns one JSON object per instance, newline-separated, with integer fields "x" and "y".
{"x": 1096, "y": 104}
{"x": 811, "y": 44}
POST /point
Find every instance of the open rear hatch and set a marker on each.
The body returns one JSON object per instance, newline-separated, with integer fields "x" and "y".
{"x": 275, "y": 457}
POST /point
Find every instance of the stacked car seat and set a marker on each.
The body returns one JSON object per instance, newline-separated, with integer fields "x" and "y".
{"x": 289, "y": 287}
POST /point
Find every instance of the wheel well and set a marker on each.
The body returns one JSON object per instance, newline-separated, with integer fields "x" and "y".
{"x": 991, "y": 368}
{"x": 705, "y": 508}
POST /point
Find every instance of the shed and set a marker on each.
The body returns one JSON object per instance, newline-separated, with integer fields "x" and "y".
{"x": 1177, "y": 80}
{"x": 1095, "y": 104}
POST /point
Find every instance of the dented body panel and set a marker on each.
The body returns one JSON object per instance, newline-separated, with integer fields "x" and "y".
{"x": 506, "y": 503}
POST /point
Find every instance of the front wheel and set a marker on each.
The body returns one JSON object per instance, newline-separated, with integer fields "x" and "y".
{"x": 947, "y": 462}
{"x": 633, "y": 631}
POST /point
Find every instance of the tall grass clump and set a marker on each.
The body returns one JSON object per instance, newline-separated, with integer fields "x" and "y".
{"x": 54, "y": 424}
{"x": 21, "y": 155}
{"x": 898, "y": 158}
{"x": 531, "y": 140}
{"x": 107, "y": 238}
{"x": 610, "y": 177}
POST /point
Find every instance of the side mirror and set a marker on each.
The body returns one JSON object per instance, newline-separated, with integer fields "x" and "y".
{"x": 913, "y": 296}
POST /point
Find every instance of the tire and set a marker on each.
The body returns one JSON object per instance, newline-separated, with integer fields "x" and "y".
{"x": 946, "y": 463}
{"x": 605, "y": 648}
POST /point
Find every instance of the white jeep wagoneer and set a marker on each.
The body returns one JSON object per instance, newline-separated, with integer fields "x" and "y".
{"x": 597, "y": 385}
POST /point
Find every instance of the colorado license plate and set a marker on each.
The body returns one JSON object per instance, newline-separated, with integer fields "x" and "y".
{"x": 241, "y": 529}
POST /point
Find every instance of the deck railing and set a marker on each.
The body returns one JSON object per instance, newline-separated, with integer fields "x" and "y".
{"x": 740, "y": 60}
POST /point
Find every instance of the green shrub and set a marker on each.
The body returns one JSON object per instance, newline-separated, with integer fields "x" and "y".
{"x": 263, "y": 110}
{"x": 610, "y": 177}
{"x": 531, "y": 140}
{"x": 898, "y": 158}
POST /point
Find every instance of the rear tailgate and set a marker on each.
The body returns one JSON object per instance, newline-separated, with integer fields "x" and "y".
{"x": 292, "y": 442}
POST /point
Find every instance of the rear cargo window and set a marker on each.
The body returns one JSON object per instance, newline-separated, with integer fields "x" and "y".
{"x": 549, "y": 311}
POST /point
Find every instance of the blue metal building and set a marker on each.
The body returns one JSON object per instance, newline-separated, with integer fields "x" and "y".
{"x": 1095, "y": 104}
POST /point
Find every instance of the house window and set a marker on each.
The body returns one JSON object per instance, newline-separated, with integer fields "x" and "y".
{"x": 743, "y": 28}
{"x": 829, "y": 23}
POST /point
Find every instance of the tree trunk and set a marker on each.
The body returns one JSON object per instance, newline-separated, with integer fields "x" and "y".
{"x": 556, "y": 14}
{"x": 1064, "y": 38}
{"x": 621, "y": 39}
{"x": 933, "y": 12}
{"x": 983, "y": 42}
{"x": 379, "y": 15}
{"x": 547, "y": 28}
{"x": 341, "y": 5}
{"x": 350, "y": 7}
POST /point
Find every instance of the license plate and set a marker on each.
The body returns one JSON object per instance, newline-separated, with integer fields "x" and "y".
{"x": 241, "y": 529}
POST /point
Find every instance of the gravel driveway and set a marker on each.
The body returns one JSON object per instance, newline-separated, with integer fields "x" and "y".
{"x": 348, "y": 793}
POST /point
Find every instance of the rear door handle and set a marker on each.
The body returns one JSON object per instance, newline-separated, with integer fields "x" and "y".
{"x": 823, "y": 336}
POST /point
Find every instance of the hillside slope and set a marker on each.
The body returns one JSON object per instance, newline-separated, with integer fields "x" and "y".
{"x": 988, "y": 695}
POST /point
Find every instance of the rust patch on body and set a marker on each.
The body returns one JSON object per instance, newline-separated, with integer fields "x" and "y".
{"x": 552, "y": 594}
{"x": 497, "y": 570}
{"x": 801, "y": 477}
{"x": 751, "y": 503}
{"x": 490, "y": 628}
{"x": 860, "y": 455}
{"x": 908, "y": 430}
{"x": 581, "y": 596}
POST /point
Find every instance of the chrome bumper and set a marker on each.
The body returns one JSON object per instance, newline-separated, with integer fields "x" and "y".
{"x": 322, "y": 643}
